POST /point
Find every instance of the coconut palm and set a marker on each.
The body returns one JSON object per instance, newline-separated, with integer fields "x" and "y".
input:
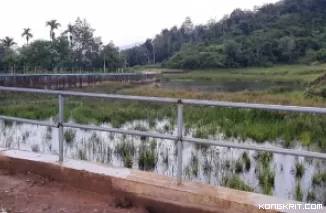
{"x": 53, "y": 24}
{"x": 27, "y": 34}
{"x": 8, "y": 42}
{"x": 70, "y": 30}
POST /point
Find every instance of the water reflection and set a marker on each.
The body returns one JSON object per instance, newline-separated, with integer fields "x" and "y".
{"x": 206, "y": 164}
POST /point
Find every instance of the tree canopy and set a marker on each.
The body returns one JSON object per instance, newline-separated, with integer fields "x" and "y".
{"x": 75, "y": 48}
{"x": 289, "y": 31}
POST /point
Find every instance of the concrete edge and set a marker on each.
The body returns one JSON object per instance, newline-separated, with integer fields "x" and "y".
{"x": 159, "y": 193}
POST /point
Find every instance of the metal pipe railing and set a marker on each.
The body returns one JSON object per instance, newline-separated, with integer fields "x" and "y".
{"x": 180, "y": 145}
{"x": 60, "y": 126}
{"x": 179, "y": 137}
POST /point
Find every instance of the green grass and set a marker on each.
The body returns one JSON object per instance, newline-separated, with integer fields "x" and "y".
{"x": 318, "y": 179}
{"x": 265, "y": 174}
{"x": 264, "y": 158}
{"x": 298, "y": 193}
{"x": 238, "y": 166}
{"x": 126, "y": 151}
{"x": 70, "y": 135}
{"x": 148, "y": 156}
{"x": 236, "y": 183}
{"x": 299, "y": 170}
{"x": 266, "y": 179}
{"x": 246, "y": 160}
{"x": 300, "y": 74}
{"x": 258, "y": 125}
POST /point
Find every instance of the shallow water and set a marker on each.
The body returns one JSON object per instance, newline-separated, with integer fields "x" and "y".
{"x": 100, "y": 147}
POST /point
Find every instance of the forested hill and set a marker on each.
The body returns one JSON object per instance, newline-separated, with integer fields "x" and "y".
{"x": 289, "y": 31}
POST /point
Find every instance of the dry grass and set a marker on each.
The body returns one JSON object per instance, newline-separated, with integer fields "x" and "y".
{"x": 249, "y": 97}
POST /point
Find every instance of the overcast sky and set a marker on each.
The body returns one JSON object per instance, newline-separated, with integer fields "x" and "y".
{"x": 122, "y": 21}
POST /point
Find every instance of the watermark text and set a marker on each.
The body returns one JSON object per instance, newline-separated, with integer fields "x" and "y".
{"x": 304, "y": 206}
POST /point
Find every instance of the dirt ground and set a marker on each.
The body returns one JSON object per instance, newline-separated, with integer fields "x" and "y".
{"x": 32, "y": 194}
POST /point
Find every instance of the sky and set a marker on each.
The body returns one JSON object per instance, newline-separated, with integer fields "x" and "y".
{"x": 124, "y": 22}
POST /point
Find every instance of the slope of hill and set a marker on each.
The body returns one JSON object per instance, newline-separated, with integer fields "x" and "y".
{"x": 287, "y": 32}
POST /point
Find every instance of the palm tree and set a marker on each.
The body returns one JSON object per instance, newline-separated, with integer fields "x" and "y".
{"x": 53, "y": 24}
{"x": 8, "y": 42}
{"x": 70, "y": 29}
{"x": 27, "y": 34}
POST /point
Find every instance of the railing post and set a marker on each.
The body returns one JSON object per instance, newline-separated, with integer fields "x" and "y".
{"x": 180, "y": 146}
{"x": 61, "y": 113}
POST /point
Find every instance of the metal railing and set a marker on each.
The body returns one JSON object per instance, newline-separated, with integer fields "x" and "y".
{"x": 179, "y": 137}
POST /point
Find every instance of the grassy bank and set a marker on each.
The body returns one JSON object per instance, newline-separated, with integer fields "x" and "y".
{"x": 299, "y": 74}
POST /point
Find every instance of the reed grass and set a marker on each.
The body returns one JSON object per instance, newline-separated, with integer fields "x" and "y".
{"x": 70, "y": 135}
{"x": 298, "y": 192}
{"x": 238, "y": 166}
{"x": 126, "y": 150}
{"x": 299, "y": 170}
{"x": 319, "y": 179}
{"x": 266, "y": 175}
{"x": 235, "y": 182}
{"x": 147, "y": 156}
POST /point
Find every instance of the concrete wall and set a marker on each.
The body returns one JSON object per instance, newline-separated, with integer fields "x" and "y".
{"x": 63, "y": 81}
{"x": 159, "y": 194}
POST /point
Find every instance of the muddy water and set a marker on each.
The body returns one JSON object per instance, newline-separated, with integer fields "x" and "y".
{"x": 100, "y": 147}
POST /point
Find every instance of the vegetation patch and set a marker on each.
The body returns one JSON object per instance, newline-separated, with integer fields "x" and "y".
{"x": 238, "y": 166}
{"x": 299, "y": 170}
{"x": 318, "y": 179}
{"x": 236, "y": 183}
{"x": 246, "y": 160}
{"x": 298, "y": 192}
{"x": 126, "y": 150}
{"x": 70, "y": 135}
{"x": 311, "y": 197}
{"x": 147, "y": 156}
{"x": 266, "y": 176}
{"x": 258, "y": 125}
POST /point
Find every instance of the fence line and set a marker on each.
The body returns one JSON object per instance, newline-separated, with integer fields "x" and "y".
{"x": 40, "y": 70}
{"x": 179, "y": 137}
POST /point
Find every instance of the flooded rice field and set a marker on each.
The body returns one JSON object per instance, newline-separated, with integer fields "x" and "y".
{"x": 279, "y": 175}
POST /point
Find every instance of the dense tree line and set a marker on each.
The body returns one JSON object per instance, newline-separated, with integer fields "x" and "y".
{"x": 76, "y": 48}
{"x": 289, "y": 31}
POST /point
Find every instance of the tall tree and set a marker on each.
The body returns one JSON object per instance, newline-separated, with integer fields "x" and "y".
{"x": 150, "y": 49}
{"x": 53, "y": 24}
{"x": 27, "y": 34}
{"x": 70, "y": 31}
{"x": 8, "y": 42}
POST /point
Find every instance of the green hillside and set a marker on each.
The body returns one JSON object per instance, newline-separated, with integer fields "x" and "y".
{"x": 287, "y": 32}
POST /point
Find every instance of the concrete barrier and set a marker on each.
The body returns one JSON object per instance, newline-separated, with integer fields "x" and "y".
{"x": 159, "y": 194}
